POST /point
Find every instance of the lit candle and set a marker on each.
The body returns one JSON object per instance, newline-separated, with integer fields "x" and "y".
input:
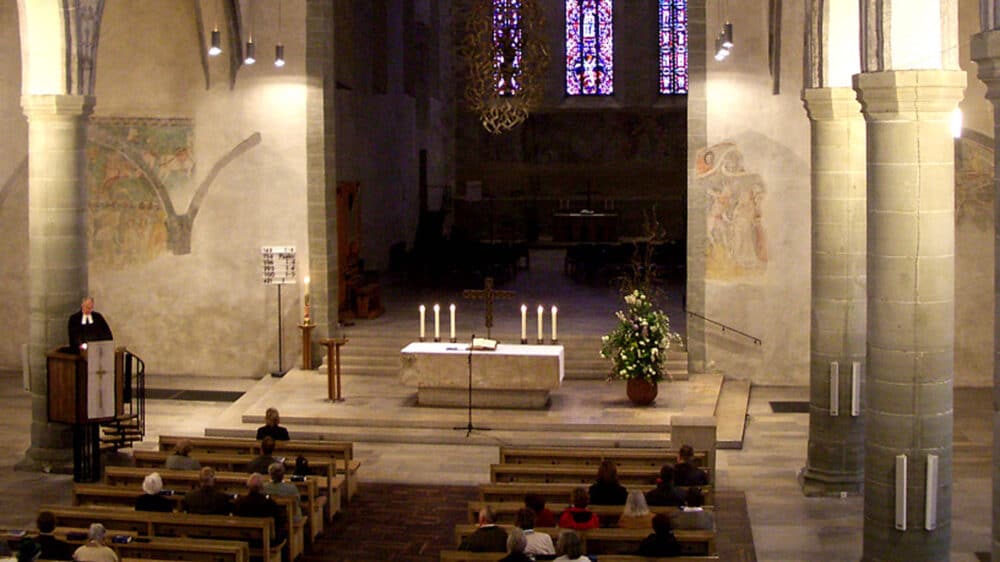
{"x": 305, "y": 300}
{"x": 423, "y": 311}
{"x": 437, "y": 323}
{"x": 524, "y": 323}
{"x": 555, "y": 336}
{"x": 541, "y": 312}
{"x": 451, "y": 308}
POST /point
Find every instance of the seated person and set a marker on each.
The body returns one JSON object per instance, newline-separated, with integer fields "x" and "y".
{"x": 665, "y": 493}
{"x": 206, "y": 499}
{"x": 271, "y": 428}
{"x": 515, "y": 547}
{"x": 661, "y": 542}
{"x": 535, "y": 543}
{"x": 488, "y": 537}
{"x": 577, "y": 516}
{"x": 543, "y": 515}
{"x": 692, "y": 515}
{"x": 180, "y": 459}
{"x": 52, "y": 548}
{"x": 636, "y": 514}
{"x": 570, "y": 548}
{"x": 255, "y": 504}
{"x": 685, "y": 472}
{"x": 151, "y": 500}
{"x": 607, "y": 490}
{"x": 278, "y": 487}
{"x": 29, "y": 551}
{"x": 262, "y": 462}
{"x": 95, "y": 550}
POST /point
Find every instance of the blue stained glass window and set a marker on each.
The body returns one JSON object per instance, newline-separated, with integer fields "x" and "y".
{"x": 673, "y": 47}
{"x": 507, "y": 46}
{"x": 589, "y": 48}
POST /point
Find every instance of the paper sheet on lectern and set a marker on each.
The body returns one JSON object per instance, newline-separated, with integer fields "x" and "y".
{"x": 100, "y": 379}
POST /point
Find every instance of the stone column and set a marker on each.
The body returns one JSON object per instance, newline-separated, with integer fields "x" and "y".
{"x": 986, "y": 53}
{"x": 835, "y": 462}
{"x": 57, "y": 251}
{"x": 911, "y": 305}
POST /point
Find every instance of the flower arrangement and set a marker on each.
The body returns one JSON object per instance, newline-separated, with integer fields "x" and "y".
{"x": 638, "y": 345}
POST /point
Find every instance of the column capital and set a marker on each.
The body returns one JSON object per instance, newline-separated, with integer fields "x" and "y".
{"x": 886, "y": 95}
{"x": 57, "y": 106}
{"x": 829, "y": 104}
{"x": 986, "y": 54}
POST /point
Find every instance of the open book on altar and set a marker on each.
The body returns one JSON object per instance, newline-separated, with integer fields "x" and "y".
{"x": 484, "y": 344}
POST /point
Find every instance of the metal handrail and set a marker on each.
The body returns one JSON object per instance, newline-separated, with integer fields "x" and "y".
{"x": 726, "y": 328}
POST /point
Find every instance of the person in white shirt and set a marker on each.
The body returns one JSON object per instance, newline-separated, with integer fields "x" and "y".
{"x": 538, "y": 543}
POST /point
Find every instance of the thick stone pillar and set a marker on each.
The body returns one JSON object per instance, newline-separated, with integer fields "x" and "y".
{"x": 911, "y": 305}
{"x": 986, "y": 53}
{"x": 835, "y": 462}
{"x": 57, "y": 251}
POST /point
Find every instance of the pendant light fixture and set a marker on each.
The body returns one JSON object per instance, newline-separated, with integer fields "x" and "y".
{"x": 251, "y": 50}
{"x": 279, "y": 49}
{"x": 216, "y": 47}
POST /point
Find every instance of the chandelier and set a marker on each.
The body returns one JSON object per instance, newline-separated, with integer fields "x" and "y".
{"x": 505, "y": 56}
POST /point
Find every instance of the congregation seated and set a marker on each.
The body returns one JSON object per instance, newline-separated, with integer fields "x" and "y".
{"x": 266, "y": 458}
{"x": 206, "y": 499}
{"x": 535, "y": 543}
{"x": 151, "y": 500}
{"x": 51, "y": 547}
{"x": 607, "y": 490}
{"x": 692, "y": 515}
{"x": 180, "y": 459}
{"x": 255, "y": 504}
{"x": 636, "y": 514}
{"x": 278, "y": 487}
{"x": 570, "y": 548}
{"x": 95, "y": 550}
{"x": 516, "y": 544}
{"x": 685, "y": 472}
{"x": 577, "y": 516}
{"x": 665, "y": 493}
{"x": 28, "y": 551}
{"x": 271, "y": 428}
{"x": 543, "y": 515}
{"x": 488, "y": 537}
{"x": 661, "y": 542}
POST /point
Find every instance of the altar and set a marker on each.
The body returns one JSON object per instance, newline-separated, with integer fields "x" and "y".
{"x": 512, "y": 376}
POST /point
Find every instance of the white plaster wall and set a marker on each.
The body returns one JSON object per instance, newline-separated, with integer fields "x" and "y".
{"x": 13, "y": 193}
{"x": 772, "y": 132}
{"x": 208, "y": 312}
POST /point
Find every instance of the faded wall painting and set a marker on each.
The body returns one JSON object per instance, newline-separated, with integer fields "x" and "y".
{"x": 734, "y": 200}
{"x": 974, "y": 181}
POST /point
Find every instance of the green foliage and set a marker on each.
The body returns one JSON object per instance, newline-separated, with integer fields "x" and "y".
{"x": 638, "y": 345}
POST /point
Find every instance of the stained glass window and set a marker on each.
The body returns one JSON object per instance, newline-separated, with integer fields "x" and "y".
{"x": 507, "y": 46}
{"x": 673, "y": 47}
{"x": 589, "y": 48}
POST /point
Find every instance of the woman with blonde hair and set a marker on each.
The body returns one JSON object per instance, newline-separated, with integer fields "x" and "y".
{"x": 636, "y": 514}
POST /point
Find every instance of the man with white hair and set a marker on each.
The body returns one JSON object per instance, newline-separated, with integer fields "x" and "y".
{"x": 95, "y": 550}
{"x": 151, "y": 500}
{"x": 86, "y": 325}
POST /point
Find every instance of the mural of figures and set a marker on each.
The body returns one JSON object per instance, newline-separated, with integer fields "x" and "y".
{"x": 974, "y": 181}
{"x": 734, "y": 199}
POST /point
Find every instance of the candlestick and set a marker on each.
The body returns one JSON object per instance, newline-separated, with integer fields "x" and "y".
{"x": 437, "y": 322}
{"x": 555, "y": 336}
{"x": 423, "y": 310}
{"x": 524, "y": 323}
{"x": 541, "y": 312}
{"x": 451, "y": 308}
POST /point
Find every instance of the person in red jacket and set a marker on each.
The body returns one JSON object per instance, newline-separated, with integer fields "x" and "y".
{"x": 577, "y": 516}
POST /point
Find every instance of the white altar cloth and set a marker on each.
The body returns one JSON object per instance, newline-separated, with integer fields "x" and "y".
{"x": 512, "y": 376}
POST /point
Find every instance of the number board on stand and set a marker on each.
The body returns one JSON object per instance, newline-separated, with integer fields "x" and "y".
{"x": 279, "y": 264}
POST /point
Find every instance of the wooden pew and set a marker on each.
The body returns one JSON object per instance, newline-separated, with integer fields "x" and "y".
{"x": 194, "y": 550}
{"x": 124, "y": 497}
{"x": 613, "y": 541}
{"x": 594, "y": 456}
{"x": 340, "y": 452}
{"x": 466, "y": 556}
{"x": 506, "y": 512}
{"x": 258, "y": 532}
{"x": 229, "y": 482}
{"x": 557, "y": 495}
{"x": 638, "y": 477}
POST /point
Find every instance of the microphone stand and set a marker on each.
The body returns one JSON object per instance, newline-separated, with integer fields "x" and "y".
{"x": 469, "y": 428}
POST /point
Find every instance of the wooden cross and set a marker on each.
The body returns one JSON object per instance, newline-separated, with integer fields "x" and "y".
{"x": 488, "y": 294}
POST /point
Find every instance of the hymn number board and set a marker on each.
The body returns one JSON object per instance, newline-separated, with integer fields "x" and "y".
{"x": 279, "y": 264}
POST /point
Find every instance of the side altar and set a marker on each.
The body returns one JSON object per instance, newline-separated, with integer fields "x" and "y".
{"x": 511, "y": 376}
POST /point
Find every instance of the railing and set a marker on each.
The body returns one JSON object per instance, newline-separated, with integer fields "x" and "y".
{"x": 726, "y": 328}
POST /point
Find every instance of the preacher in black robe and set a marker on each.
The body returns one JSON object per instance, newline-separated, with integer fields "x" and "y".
{"x": 86, "y": 325}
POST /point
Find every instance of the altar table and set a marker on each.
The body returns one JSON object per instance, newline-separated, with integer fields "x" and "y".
{"x": 512, "y": 376}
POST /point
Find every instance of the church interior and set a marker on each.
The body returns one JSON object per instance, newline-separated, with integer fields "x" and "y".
{"x": 271, "y": 201}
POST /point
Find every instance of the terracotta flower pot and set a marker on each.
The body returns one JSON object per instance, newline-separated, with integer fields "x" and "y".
{"x": 641, "y": 392}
